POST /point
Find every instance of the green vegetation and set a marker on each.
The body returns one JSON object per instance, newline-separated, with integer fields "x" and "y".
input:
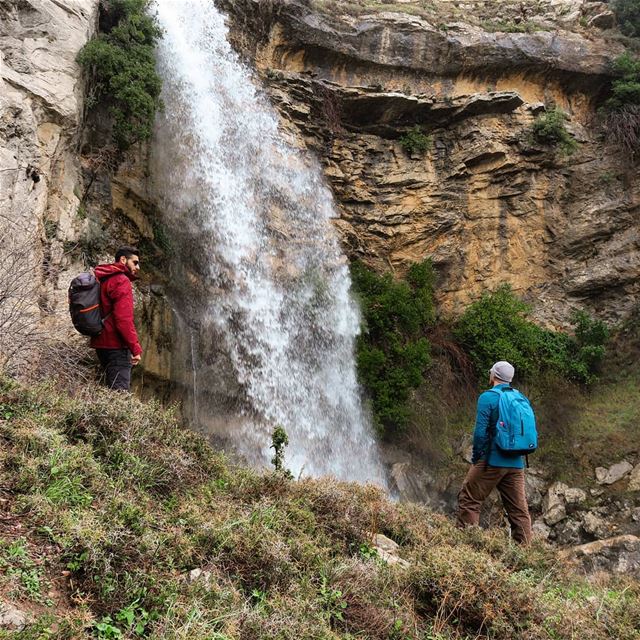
{"x": 392, "y": 351}
{"x": 621, "y": 113}
{"x": 625, "y": 90}
{"x": 628, "y": 16}
{"x": 279, "y": 558}
{"x": 415, "y": 141}
{"x": 121, "y": 64}
{"x": 506, "y": 26}
{"x": 497, "y": 327}
{"x": 549, "y": 128}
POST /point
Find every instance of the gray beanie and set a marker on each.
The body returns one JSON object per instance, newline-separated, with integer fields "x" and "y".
{"x": 503, "y": 371}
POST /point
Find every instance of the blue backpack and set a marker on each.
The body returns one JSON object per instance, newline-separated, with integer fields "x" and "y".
{"x": 515, "y": 431}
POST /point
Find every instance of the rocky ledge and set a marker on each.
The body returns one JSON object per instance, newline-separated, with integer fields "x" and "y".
{"x": 485, "y": 201}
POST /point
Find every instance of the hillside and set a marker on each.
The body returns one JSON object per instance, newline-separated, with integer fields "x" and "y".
{"x": 118, "y": 523}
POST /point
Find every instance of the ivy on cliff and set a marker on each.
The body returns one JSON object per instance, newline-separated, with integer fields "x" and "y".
{"x": 121, "y": 64}
{"x": 392, "y": 351}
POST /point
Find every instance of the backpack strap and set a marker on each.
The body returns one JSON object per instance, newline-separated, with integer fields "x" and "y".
{"x": 492, "y": 425}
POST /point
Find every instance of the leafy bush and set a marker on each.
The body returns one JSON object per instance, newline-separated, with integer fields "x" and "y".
{"x": 628, "y": 16}
{"x": 122, "y": 67}
{"x": 497, "y": 327}
{"x": 622, "y": 109}
{"x": 549, "y": 128}
{"x": 392, "y": 351}
{"x": 416, "y": 141}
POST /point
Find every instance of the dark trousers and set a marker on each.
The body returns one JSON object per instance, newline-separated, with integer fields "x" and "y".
{"x": 477, "y": 486}
{"x": 116, "y": 364}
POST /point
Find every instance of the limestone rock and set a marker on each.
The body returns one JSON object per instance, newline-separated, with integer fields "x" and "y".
{"x": 199, "y": 575}
{"x": 12, "y": 618}
{"x": 595, "y": 525}
{"x": 540, "y": 529}
{"x": 574, "y": 496}
{"x": 483, "y": 202}
{"x": 614, "y": 473}
{"x": 569, "y": 532}
{"x": 614, "y": 555}
{"x": 389, "y": 551}
{"x": 553, "y": 505}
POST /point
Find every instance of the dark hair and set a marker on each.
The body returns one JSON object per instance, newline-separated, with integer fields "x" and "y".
{"x": 127, "y": 252}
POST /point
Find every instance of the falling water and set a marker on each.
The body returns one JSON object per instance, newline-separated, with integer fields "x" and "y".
{"x": 269, "y": 267}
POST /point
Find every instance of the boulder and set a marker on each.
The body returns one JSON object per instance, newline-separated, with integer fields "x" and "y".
{"x": 614, "y": 473}
{"x": 575, "y": 496}
{"x": 540, "y": 529}
{"x": 595, "y": 525}
{"x": 619, "y": 555}
{"x": 569, "y": 532}
{"x": 553, "y": 505}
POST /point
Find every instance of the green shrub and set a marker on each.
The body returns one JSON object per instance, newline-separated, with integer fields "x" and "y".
{"x": 628, "y": 16}
{"x": 416, "y": 141}
{"x": 497, "y": 327}
{"x": 121, "y": 63}
{"x": 392, "y": 351}
{"x": 549, "y": 128}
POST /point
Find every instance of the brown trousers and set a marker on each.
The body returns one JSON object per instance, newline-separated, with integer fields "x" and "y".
{"x": 477, "y": 486}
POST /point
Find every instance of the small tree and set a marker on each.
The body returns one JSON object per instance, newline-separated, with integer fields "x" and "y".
{"x": 279, "y": 441}
{"x": 549, "y": 128}
{"x": 416, "y": 141}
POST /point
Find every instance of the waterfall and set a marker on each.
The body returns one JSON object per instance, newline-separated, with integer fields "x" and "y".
{"x": 253, "y": 217}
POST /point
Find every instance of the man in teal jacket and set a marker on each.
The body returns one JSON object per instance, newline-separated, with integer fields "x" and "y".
{"x": 492, "y": 468}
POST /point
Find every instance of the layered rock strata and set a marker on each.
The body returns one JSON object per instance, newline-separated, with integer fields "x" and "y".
{"x": 486, "y": 202}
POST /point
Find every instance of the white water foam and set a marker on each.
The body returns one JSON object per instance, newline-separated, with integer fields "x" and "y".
{"x": 283, "y": 308}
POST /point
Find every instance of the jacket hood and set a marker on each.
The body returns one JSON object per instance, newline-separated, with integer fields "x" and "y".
{"x": 103, "y": 270}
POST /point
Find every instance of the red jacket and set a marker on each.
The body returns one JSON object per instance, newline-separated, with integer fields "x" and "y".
{"x": 116, "y": 301}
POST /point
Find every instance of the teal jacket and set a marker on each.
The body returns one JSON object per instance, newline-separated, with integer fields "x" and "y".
{"x": 486, "y": 418}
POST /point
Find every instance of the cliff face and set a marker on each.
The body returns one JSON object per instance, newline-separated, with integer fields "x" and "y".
{"x": 486, "y": 202}
{"x": 40, "y": 115}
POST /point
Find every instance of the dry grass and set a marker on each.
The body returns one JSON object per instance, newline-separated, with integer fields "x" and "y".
{"x": 116, "y": 503}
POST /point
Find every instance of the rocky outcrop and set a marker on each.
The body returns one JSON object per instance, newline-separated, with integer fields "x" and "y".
{"x": 620, "y": 555}
{"x": 41, "y": 105}
{"x": 486, "y": 202}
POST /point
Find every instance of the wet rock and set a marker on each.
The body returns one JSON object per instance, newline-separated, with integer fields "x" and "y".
{"x": 12, "y": 618}
{"x": 389, "y": 551}
{"x": 619, "y": 555}
{"x": 614, "y": 473}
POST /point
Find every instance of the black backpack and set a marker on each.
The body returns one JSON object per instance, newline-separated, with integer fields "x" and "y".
{"x": 84, "y": 304}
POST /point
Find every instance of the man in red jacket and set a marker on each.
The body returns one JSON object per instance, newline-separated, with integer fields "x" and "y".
{"x": 117, "y": 345}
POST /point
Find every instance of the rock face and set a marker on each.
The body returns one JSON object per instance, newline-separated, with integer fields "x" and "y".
{"x": 485, "y": 202}
{"x": 41, "y": 91}
{"x": 615, "y": 555}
